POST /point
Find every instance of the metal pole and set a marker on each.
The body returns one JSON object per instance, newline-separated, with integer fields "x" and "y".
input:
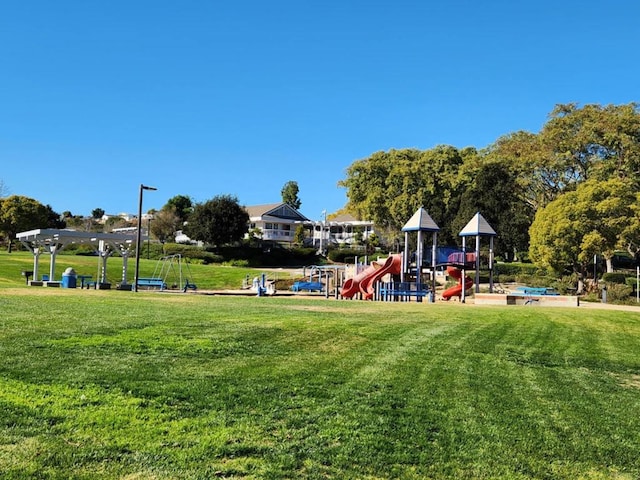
{"x": 138, "y": 236}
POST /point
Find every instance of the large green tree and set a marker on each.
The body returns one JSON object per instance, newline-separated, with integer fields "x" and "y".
{"x": 218, "y": 221}
{"x": 290, "y": 192}
{"x": 575, "y": 144}
{"x": 20, "y": 214}
{"x": 493, "y": 191}
{"x": 165, "y": 224}
{"x": 596, "y": 218}
{"x": 182, "y": 206}
{"x": 389, "y": 187}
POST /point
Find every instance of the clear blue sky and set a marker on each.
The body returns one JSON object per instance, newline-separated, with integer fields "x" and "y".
{"x": 207, "y": 97}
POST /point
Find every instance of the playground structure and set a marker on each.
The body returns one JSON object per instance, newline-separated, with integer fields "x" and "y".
{"x": 321, "y": 279}
{"x": 417, "y": 271}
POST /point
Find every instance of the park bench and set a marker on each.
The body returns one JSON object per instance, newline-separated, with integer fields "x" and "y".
{"x": 151, "y": 283}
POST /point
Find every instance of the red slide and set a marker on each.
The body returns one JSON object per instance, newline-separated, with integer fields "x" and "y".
{"x": 456, "y": 290}
{"x": 365, "y": 281}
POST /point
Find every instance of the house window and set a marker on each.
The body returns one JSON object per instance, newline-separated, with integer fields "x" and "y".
{"x": 252, "y": 226}
{"x": 286, "y": 227}
{"x": 268, "y": 226}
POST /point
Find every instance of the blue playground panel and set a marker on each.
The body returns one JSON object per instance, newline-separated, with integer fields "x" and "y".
{"x": 534, "y": 291}
{"x": 449, "y": 256}
{"x": 402, "y": 291}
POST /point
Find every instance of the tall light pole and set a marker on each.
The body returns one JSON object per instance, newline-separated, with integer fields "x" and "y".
{"x": 138, "y": 235}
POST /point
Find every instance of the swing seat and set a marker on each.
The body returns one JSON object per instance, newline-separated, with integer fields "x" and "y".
{"x": 189, "y": 286}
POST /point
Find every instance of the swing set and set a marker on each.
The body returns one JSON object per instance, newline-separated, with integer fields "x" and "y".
{"x": 174, "y": 273}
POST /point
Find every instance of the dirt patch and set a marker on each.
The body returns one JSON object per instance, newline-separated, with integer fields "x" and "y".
{"x": 628, "y": 381}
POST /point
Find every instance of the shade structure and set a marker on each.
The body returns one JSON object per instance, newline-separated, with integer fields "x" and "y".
{"x": 421, "y": 221}
{"x": 477, "y": 226}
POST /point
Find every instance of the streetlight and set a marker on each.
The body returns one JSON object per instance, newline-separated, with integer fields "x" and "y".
{"x": 135, "y": 279}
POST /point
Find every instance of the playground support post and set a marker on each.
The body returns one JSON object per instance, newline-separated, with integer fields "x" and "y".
{"x": 464, "y": 273}
{"x": 138, "y": 235}
{"x": 490, "y": 264}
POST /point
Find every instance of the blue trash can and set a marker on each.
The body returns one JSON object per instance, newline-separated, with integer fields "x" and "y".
{"x": 69, "y": 278}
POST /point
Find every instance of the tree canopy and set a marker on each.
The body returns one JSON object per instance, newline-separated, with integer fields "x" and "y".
{"x": 579, "y": 151}
{"x": 218, "y": 221}
{"x": 20, "y": 214}
{"x": 181, "y": 205}
{"x": 289, "y": 193}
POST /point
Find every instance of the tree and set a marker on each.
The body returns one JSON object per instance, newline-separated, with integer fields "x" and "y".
{"x": 389, "y": 187}
{"x": 182, "y": 206}
{"x": 20, "y": 214}
{"x": 495, "y": 194}
{"x": 574, "y": 145}
{"x": 97, "y": 213}
{"x": 592, "y": 220}
{"x": 165, "y": 224}
{"x": 290, "y": 194}
{"x": 218, "y": 221}
{"x": 54, "y": 219}
{"x": 298, "y": 237}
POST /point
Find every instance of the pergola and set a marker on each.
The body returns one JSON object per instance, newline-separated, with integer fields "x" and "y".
{"x": 51, "y": 241}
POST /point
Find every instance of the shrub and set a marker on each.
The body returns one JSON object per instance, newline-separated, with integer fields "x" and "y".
{"x": 347, "y": 255}
{"x": 614, "y": 277}
{"x": 617, "y": 293}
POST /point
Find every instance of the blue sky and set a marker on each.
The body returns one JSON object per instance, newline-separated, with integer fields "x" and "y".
{"x": 203, "y": 98}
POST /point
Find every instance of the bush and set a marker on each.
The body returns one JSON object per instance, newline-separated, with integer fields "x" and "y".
{"x": 514, "y": 269}
{"x": 345, "y": 255}
{"x": 614, "y": 277}
{"x": 617, "y": 293}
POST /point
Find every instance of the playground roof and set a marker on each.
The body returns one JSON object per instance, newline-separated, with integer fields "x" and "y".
{"x": 477, "y": 226}
{"x": 421, "y": 222}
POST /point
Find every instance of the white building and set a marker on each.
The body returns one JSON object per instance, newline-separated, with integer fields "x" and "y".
{"x": 277, "y": 222}
{"x": 343, "y": 230}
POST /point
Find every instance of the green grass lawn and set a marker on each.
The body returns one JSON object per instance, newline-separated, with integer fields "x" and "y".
{"x": 118, "y": 385}
{"x": 206, "y": 277}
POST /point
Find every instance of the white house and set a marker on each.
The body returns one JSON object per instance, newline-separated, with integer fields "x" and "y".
{"x": 276, "y": 221}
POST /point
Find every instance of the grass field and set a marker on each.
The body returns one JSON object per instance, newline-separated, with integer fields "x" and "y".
{"x": 117, "y": 385}
{"x": 207, "y": 277}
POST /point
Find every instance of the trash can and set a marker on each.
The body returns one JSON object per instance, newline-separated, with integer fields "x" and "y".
{"x": 69, "y": 278}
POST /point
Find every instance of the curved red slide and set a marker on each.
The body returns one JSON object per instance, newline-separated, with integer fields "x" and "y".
{"x": 456, "y": 290}
{"x": 365, "y": 281}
